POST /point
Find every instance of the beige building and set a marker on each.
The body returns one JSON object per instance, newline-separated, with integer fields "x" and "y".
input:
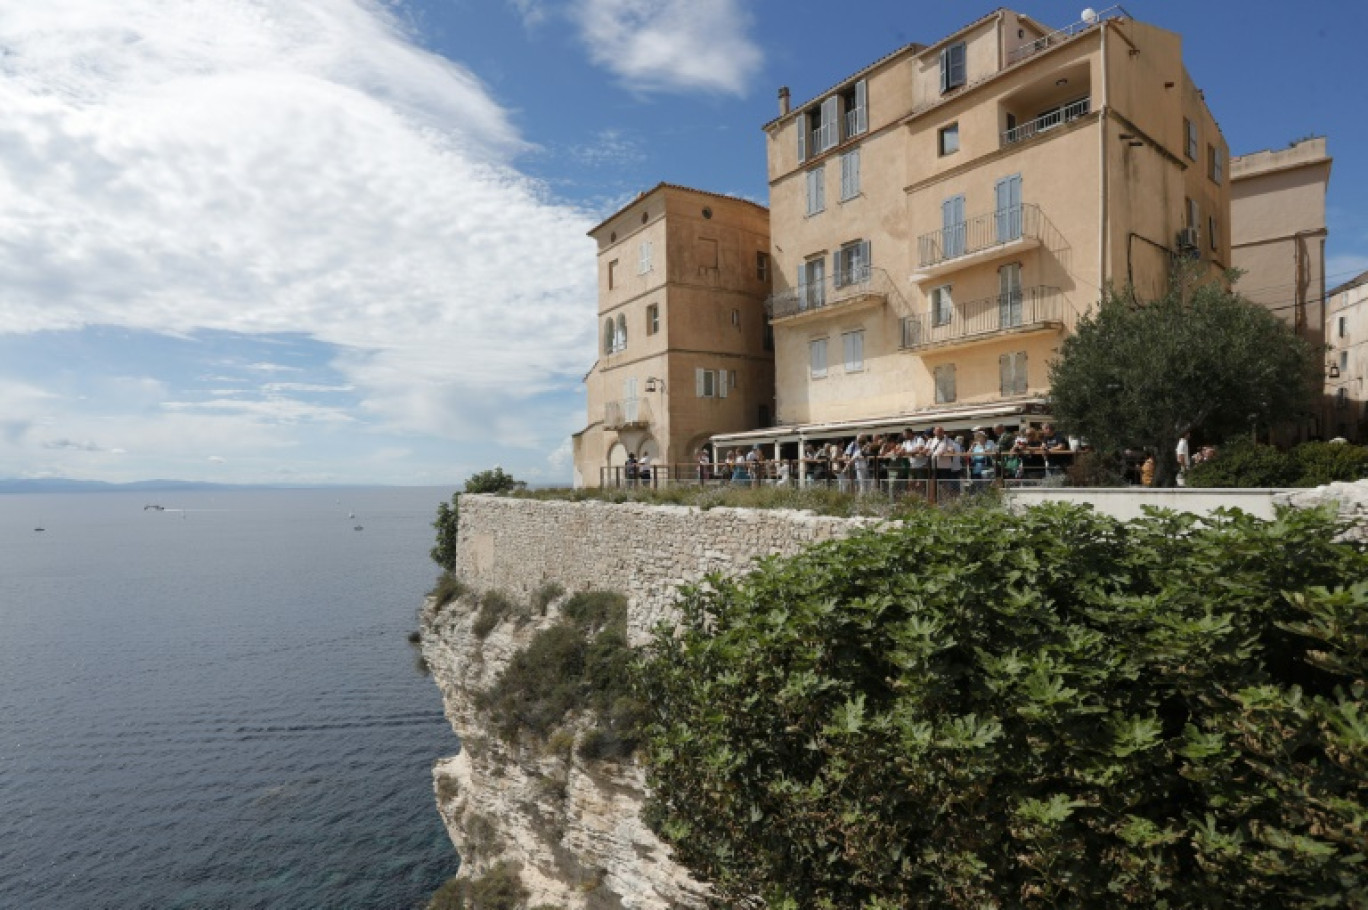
{"x": 1277, "y": 211}
{"x": 684, "y": 348}
{"x": 942, "y": 217}
{"x": 1346, "y": 380}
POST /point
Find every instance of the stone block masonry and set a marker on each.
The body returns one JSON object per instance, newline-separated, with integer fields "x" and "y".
{"x": 643, "y": 551}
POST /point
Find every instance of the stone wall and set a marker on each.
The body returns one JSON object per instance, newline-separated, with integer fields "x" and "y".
{"x": 643, "y": 551}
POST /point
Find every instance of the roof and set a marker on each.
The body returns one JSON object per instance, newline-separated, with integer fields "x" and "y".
{"x": 914, "y": 48}
{"x": 1361, "y": 278}
{"x": 665, "y": 185}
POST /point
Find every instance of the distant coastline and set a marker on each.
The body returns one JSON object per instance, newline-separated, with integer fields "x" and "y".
{"x": 63, "y": 485}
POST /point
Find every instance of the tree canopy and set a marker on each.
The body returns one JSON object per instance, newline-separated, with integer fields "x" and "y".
{"x": 1199, "y": 359}
{"x": 1042, "y": 710}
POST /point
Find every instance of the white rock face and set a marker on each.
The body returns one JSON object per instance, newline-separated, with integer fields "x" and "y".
{"x": 574, "y": 827}
{"x": 1351, "y": 499}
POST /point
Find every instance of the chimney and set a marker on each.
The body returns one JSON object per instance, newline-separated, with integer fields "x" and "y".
{"x": 783, "y": 100}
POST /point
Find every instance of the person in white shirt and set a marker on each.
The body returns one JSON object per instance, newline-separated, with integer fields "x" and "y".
{"x": 1184, "y": 461}
{"x": 946, "y": 454}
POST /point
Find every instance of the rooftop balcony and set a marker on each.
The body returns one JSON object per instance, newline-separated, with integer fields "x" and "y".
{"x": 627, "y": 414}
{"x": 982, "y": 238}
{"x": 1064, "y": 34}
{"x": 847, "y": 290}
{"x": 1027, "y": 310}
{"x": 1045, "y": 122}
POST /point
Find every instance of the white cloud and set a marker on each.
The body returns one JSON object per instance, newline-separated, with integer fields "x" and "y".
{"x": 671, "y": 45}
{"x": 279, "y": 166}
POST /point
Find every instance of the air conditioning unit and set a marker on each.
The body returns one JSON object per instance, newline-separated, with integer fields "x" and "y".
{"x": 1187, "y": 239}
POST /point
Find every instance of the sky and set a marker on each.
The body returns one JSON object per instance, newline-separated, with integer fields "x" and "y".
{"x": 344, "y": 241}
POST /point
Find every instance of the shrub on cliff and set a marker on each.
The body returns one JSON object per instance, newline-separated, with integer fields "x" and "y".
{"x": 1048, "y": 709}
{"x": 498, "y": 889}
{"x": 448, "y": 518}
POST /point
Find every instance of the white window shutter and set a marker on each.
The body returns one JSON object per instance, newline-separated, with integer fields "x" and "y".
{"x": 865, "y": 261}
{"x": 861, "y": 107}
{"x": 830, "y": 116}
{"x": 698, "y": 383}
{"x": 1021, "y": 375}
{"x": 944, "y": 69}
{"x": 721, "y": 383}
{"x": 802, "y": 123}
{"x": 644, "y": 258}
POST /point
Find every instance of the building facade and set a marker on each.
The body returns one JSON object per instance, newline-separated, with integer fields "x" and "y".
{"x": 940, "y": 219}
{"x": 684, "y": 348}
{"x": 1346, "y": 378}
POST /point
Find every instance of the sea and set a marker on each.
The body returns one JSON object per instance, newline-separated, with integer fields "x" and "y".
{"x": 214, "y": 704}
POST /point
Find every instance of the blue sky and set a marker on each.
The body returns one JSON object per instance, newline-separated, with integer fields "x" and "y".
{"x": 343, "y": 241}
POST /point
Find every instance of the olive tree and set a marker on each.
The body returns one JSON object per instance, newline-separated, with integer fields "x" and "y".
{"x": 1142, "y": 374}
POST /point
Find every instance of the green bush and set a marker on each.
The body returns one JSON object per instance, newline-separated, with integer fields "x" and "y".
{"x": 500, "y": 888}
{"x": 494, "y": 480}
{"x": 580, "y": 665}
{"x": 1049, "y": 709}
{"x": 1320, "y": 463}
{"x": 543, "y": 596}
{"x": 449, "y": 587}
{"x": 495, "y": 607}
{"x": 1241, "y": 463}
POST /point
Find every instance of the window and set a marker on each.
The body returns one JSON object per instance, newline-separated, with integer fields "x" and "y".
{"x": 722, "y": 382}
{"x": 942, "y": 307}
{"x": 621, "y": 332}
{"x": 1190, "y": 131}
{"x": 1012, "y": 374}
{"x": 948, "y": 139}
{"x": 769, "y": 337}
{"x": 817, "y": 361}
{"x": 855, "y": 105}
{"x": 736, "y": 317}
{"x": 1007, "y": 215}
{"x": 764, "y": 416}
{"x": 945, "y": 383}
{"x": 644, "y": 257}
{"x": 1191, "y": 214}
{"x": 816, "y": 190}
{"x": 952, "y": 67}
{"x": 852, "y": 346}
{"x": 1344, "y": 361}
{"x": 705, "y": 383}
{"x": 609, "y": 336}
{"x": 1214, "y": 167}
{"x": 1009, "y": 296}
{"x": 762, "y": 266}
{"x": 652, "y": 319}
{"x": 953, "y": 231}
{"x": 850, "y": 174}
{"x": 1211, "y": 232}
{"x": 612, "y": 274}
{"x": 852, "y": 264}
{"x": 812, "y": 284}
{"x": 1343, "y": 326}
{"x": 1341, "y": 397}
{"x": 818, "y": 129}
{"x": 911, "y": 331}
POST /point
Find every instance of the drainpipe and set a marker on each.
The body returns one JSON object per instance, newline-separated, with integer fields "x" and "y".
{"x": 1102, "y": 166}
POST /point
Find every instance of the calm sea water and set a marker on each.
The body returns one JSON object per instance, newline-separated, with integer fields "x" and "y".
{"x": 217, "y": 707}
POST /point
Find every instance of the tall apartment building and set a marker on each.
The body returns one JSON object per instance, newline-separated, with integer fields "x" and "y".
{"x": 684, "y": 348}
{"x": 1346, "y": 380}
{"x": 941, "y": 218}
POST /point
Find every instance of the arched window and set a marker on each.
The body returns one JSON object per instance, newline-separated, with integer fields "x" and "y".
{"x": 609, "y": 338}
{"x": 621, "y": 332}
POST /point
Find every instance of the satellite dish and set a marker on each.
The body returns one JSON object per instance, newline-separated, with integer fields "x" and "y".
{"x": 1090, "y": 15}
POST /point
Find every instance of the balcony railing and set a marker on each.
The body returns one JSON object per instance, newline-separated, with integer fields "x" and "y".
{"x": 1045, "y": 122}
{"x": 858, "y": 283}
{"x": 626, "y": 413}
{"x": 1064, "y": 34}
{"x": 979, "y": 233}
{"x": 1027, "y": 308}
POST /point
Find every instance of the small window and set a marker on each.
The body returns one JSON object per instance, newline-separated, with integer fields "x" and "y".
{"x": 942, "y": 306}
{"x": 736, "y": 317}
{"x": 764, "y": 416}
{"x": 816, "y": 190}
{"x": 762, "y": 272}
{"x": 609, "y": 336}
{"x": 1190, "y": 131}
{"x": 945, "y": 383}
{"x": 817, "y": 357}
{"x": 855, "y": 105}
{"x": 1211, "y": 232}
{"x": 1344, "y": 361}
{"x": 948, "y": 139}
{"x": 852, "y": 264}
{"x": 621, "y": 333}
{"x": 852, "y": 346}
{"x": 911, "y": 331}
{"x": 850, "y": 175}
{"x": 769, "y": 337}
{"x": 653, "y": 319}
{"x": 707, "y": 212}
{"x": 1342, "y": 397}
{"x": 1190, "y": 214}
{"x": 612, "y": 274}
{"x": 1343, "y": 326}
{"x": 1214, "y": 168}
{"x": 952, "y": 66}
{"x": 705, "y": 383}
{"x": 644, "y": 257}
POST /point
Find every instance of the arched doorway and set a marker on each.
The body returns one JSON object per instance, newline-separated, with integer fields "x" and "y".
{"x": 617, "y": 457}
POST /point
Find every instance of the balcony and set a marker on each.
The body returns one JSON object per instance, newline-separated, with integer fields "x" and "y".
{"x": 1027, "y": 310}
{"x": 1045, "y": 122}
{"x": 979, "y": 239}
{"x": 627, "y": 414}
{"x": 1065, "y": 34}
{"x": 849, "y": 290}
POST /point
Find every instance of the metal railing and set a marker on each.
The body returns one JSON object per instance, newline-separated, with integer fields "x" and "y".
{"x": 843, "y": 286}
{"x": 1034, "y": 306}
{"x": 979, "y": 233}
{"x": 1065, "y": 33}
{"x": 1045, "y": 122}
{"x": 626, "y": 412}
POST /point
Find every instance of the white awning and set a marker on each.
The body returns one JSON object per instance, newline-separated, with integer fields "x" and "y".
{"x": 952, "y": 418}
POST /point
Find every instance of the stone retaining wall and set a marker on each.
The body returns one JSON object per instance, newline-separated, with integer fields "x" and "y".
{"x": 643, "y": 551}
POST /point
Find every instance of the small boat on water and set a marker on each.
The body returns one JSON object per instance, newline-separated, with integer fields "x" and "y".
{"x": 40, "y": 529}
{"x": 357, "y": 528}
{"x": 155, "y": 508}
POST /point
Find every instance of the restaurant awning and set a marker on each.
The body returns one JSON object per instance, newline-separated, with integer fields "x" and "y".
{"x": 963, "y": 417}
